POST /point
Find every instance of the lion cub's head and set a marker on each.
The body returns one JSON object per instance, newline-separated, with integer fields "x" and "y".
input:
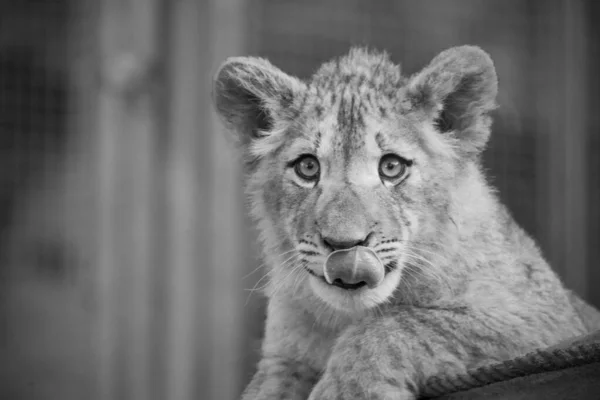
{"x": 354, "y": 174}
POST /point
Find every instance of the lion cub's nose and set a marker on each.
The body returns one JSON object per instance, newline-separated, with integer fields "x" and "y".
{"x": 343, "y": 244}
{"x": 354, "y": 268}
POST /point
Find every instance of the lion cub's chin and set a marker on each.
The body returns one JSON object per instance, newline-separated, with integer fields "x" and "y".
{"x": 358, "y": 300}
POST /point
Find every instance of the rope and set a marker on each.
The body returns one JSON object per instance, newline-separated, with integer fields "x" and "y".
{"x": 536, "y": 362}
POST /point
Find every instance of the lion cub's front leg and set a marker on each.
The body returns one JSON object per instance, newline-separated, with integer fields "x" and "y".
{"x": 295, "y": 351}
{"x": 391, "y": 357}
{"x": 278, "y": 379}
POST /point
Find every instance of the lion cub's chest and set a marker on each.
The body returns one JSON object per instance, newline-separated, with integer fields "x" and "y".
{"x": 303, "y": 332}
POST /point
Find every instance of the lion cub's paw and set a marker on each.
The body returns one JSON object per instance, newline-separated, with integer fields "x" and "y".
{"x": 348, "y": 388}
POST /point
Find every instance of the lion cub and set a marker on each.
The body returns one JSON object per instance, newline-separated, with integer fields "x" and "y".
{"x": 391, "y": 259}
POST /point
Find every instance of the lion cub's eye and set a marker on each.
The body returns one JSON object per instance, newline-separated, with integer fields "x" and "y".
{"x": 393, "y": 167}
{"x": 307, "y": 167}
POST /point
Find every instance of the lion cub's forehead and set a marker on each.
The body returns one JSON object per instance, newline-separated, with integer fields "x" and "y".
{"x": 355, "y": 106}
{"x": 362, "y": 80}
{"x": 360, "y": 67}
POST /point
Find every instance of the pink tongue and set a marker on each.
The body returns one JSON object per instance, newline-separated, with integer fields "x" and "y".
{"x": 355, "y": 265}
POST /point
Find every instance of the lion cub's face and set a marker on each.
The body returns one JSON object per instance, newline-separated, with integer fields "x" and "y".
{"x": 351, "y": 174}
{"x": 357, "y": 175}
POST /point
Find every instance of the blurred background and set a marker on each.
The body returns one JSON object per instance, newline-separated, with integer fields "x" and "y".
{"x": 125, "y": 248}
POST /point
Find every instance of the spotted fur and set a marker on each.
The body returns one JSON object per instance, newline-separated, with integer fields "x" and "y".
{"x": 464, "y": 284}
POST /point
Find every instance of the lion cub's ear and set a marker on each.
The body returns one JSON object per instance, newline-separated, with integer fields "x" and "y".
{"x": 457, "y": 90}
{"x": 254, "y": 98}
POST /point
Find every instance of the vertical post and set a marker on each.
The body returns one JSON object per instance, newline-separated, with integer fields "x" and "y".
{"x": 560, "y": 67}
{"x": 170, "y": 204}
{"x": 205, "y": 208}
{"x": 127, "y": 122}
{"x": 228, "y": 38}
{"x": 575, "y": 141}
{"x": 188, "y": 186}
{"x": 593, "y": 161}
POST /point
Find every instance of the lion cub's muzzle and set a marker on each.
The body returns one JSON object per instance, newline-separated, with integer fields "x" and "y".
{"x": 354, "y": 268}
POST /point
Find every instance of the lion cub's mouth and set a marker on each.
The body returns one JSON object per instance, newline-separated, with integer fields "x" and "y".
{"x": 338, "y": 282}
{"x": 389, "y": 267}
{"x": 352, "y": 286}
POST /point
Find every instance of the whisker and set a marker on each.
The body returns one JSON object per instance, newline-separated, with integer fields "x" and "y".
{"x": 254, "y": 289}
{"x": 281, "y": 282}
{"x": 272, "y": 270}
{"x": 265, "y": 263}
